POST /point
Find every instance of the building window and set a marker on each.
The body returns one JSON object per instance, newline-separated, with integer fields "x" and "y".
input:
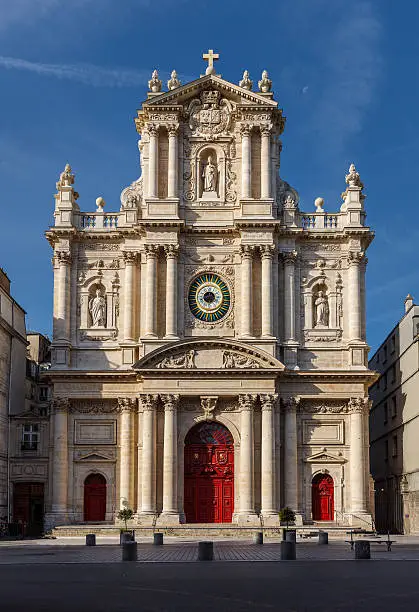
{"x": 385, "y": 450}
{"x": 30, "y": 436}
{"x": 385, "y": 412}
{"x": 393, "y": 407}
{"x": 395, "y": 449}
{"x": 384, "y": 381}
{"x": 43, "y": 394}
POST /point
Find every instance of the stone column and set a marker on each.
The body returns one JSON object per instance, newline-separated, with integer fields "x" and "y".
{"x": 289, "y": 294}
{"x": 153, "y": 161}
{"x": 61, "y": 407}
{"x": 172, "y": 183}
{"x": 148, "y": 462}
{"x": 170, "y": 475}
{"x": 357, "y": 408}
{"x": 246, "y": 162}
{"x": 151, "y": 291}
{"x": 266, "y": 253}
{"x": 171, "y": 252}
{"x": 290, "y": 453}
{"x": 268, "y": 402}
{"x": 246, "y": 478}
{"x": 130, "y": 259}
{"x": 63, "y": 302}
{"x": 126, "y": 406}
{"x": 354, "y": 294}
{"x": 265, "y": 162}
{"x": 246, "y": 291}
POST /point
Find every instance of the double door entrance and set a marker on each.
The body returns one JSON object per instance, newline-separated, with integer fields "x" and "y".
{"x": 209, "y": 474}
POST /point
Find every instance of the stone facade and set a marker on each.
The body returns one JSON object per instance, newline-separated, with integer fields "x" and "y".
{"x": 394, "y": 426}
{"x": 209, "y": 296}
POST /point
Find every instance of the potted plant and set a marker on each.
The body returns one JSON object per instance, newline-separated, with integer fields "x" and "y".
{"x": 287, "y": 516}
{"x": 125, "y": 514}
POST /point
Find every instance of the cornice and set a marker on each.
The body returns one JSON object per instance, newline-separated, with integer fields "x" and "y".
{"x": 325, "y": 375}
{"x": 65, "y": 375}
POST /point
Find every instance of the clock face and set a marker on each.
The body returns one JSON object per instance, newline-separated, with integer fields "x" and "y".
{"x": 209, "y": 298}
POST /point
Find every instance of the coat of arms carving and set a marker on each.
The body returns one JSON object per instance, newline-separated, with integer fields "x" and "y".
{"x": 209, "y": 116}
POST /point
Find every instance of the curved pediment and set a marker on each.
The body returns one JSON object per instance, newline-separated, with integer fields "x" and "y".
{"x": 212, "y": 355}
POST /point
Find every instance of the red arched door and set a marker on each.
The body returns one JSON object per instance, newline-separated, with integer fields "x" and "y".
{"x": 95, "y": 498}
{"x": 322, "y": 491}
{"x": 209, "y": 474}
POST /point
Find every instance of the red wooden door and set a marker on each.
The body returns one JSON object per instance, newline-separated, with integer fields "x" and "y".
{"x": 28, "y": 506}
{"x": 323, "y": 498}
{"x": 209, "y": 474}
{"x": 95, "y": 498}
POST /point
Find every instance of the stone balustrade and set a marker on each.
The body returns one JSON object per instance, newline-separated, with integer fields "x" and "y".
{"x": 321, "y": 221}
{"x": 98, "y": 220}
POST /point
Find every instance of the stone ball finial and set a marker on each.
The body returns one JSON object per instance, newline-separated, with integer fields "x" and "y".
{"x": 100, "y": 203}
{"x": 319, "y": 203}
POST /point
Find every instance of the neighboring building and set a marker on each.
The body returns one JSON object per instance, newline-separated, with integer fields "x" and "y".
{"x": 12, "y": 379}
{"x": 394, "y": 426}
{"x": 209, "y": 356}
{"x": 29, "y": 440}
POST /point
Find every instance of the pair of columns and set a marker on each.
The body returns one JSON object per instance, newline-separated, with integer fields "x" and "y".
{"x": 265, "y": 162}
{"x": 150, "y": 324}
{"x": 153, "y": 161}
{"x": 247, "y": 254}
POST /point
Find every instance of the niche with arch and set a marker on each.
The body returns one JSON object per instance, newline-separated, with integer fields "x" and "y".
{"x": 322, "y": 309}
{"x": 209, "y": 163}
{"x": 98, "y": 309}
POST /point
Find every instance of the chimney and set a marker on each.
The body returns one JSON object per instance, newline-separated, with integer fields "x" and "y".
{"x": 408, "y": 303}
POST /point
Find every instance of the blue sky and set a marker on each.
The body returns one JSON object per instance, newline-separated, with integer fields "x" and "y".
{"x": 72, "y": 75}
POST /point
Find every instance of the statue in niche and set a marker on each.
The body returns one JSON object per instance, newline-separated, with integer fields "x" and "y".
{"x": 321, "y": 310}
{"x": 97, "y": 309}
{"x": 210, "y": 174}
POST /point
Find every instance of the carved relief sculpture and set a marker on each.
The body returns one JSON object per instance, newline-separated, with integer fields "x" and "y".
{"x": 173, "y": 82}
{"x": 186, "y": 361}
{"x": 233, "y": 360}
{"x": 210, "y": 174}
{"x": 154, "y": 83}
{"x": 265, "y": 84}
{"x": 246, "y": 83}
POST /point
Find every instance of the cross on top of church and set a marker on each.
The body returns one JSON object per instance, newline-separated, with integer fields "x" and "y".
{"x": 210, "y": 56}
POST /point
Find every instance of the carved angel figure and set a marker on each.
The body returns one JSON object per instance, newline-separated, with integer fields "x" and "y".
{"x": 246, "y": 83}
{"x": 231, "y": 360}
{"x": 353, "y": 179}
{"x": 97, "y": 308}
{"x": 322, "y": 310}
{"x": 184, "y": 361}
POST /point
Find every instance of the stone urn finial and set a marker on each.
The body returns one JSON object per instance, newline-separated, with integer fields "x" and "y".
{"x": 173, "y": 82}
{"x": 265, "y": 84}
{"x": 154, "y": 83}
{"x": 246, "y": 83}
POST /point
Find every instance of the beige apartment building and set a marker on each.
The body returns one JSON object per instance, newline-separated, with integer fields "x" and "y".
{"x": 394, "y": 426}
{"x": 209, "y": 354}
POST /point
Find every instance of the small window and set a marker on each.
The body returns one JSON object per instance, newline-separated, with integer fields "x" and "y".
{"x": 30, "y": 436}
{"x": 43, "y": 394}
{"x": 384, "y": 381}
{"x": 395, "y": 448}
{"x": 385, "y": 412}
{"x": 393, "y": 407}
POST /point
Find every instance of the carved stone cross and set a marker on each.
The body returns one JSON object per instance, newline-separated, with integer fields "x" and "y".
{"x": 210, "y": 56}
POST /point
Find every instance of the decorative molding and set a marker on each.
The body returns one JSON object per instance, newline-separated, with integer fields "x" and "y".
{"x": 170, "y": 402}
{"x": 247, "y": 401}
{"x": 148, "y": 402}
{"x": 94, "y": 406}
{"x": 290, "y": 404}
{"x": 127, "y": 404}
{"x": 268, "y": 401}
{"x": 61, "y": 404}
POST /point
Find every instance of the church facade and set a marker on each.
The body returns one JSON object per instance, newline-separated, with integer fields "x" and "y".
{"x": 209, "y": 356}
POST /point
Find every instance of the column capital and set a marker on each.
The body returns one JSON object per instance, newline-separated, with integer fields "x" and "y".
{"x": 173, "y": 129}
{"x": 170, "y": 402}
{"x": 148, "y": 402}
{"x": 289, "y": 257}
{"x": 126, "y": 404}
{"x": 247, "y": 401}
{"x": 130, "y": 257}
{"x": 247, "y": 251}
{"x": 153, "y": 129}
{"x": 267, "y": 251}
{"x": 61, "y": 405}
{"x": 151, "y": 250}
{"x": 268, "y": 401}
{"x": 266, "y": 129}
{"x": 355, "y": 257}
{"x": 171, "y": 251}
{"x": 64, "y": 257}
{"x": 359, "y": 405}
{"x": 291, "y": 404}
{"x": 245, "y": 129}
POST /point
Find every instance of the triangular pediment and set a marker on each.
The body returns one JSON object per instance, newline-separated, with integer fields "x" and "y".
{"x": 94, "y": 457}
{"x": 234, "y": 93}
{"x": 194, "y": 356}
{"x": 325, "y": 457}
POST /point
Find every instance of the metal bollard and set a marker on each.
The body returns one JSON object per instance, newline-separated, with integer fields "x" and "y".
{"x": 323, "y": 537}
{"x": 158, "y": 539}
{"x": 129, "y": 551}
{"x": 205, "y": 551}
{"x": 258, "y": 539}
{"x": 284, "y": 534}
{"x": 125, "y": 537}
{"x": 291, "y": 535}
{"x": 90, "y": 539}
{"x": 362, "y": 549}
{"x": 288, "y": 551}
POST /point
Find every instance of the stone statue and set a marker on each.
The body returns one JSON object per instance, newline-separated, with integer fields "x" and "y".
{"x": 265, "y": 83}
{"x": 353, "y": 179}
{"x": 183, "y": 361}
{"x": 154, "y": 83}
{"x": 173, "y": 82}
{"x": 97, "y": 308}
{"x": 210, "y": 176}
{"x": 246, "y": 83}
{"x": 322, "y": 310}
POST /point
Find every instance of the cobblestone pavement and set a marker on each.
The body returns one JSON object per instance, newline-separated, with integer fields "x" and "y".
{"x": 181, "y": 552}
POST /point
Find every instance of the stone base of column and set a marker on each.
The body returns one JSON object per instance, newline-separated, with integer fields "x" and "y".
{"x": 358, "y": 355}
{"x": 145, "y": 518}
{"x": 54, "y": 519}
{"x": 246, "y": 519}
{"x": 168, "y": 519}
{"x": 270, "y": 518}
{"x": 291, "y": 355}
{"x": 360, "y": 519}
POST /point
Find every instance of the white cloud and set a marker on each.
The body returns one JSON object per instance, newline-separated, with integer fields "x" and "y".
{"x": 83, "y": 73}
